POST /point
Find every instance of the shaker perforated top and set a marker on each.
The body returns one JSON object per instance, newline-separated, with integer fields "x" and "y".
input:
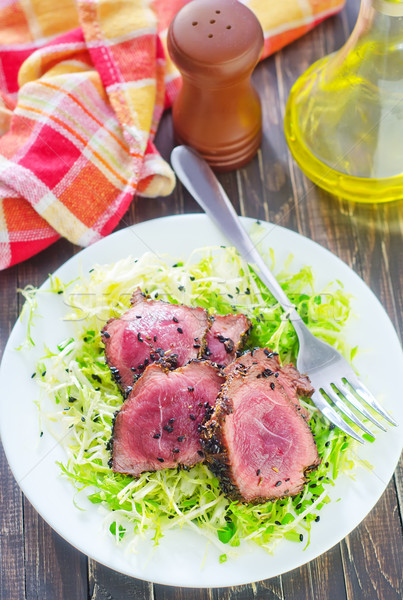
{"x": 215, "y": 32}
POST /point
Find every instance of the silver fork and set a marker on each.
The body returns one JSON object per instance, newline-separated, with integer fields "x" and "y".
{"x": 330, "y": 374}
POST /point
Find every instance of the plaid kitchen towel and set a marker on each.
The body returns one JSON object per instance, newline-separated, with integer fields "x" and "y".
{"x": 83, "y": 84}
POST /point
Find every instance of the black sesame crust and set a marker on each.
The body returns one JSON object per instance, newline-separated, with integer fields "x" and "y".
{"x": 229, "y": 344}
{"x": 214, "y": 444}
{"x": 244, "y": 337}
{"x": 170, "y": 360}
{"x": 165, "y": 365}
{"x": 109, "y": 443}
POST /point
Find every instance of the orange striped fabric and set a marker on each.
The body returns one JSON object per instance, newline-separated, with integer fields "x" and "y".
{"x": 83, "y": 84}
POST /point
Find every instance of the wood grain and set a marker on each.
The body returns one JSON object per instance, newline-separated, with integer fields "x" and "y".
{"x": 54, "y": 569}
{"x": 105, "y": 584}
{"x": 35, "y": 563}
{"x": 12, "y": 567}
{"x": 372, "y": 569}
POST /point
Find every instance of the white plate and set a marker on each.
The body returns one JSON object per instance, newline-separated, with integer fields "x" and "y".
{"x": 181, "y": 558}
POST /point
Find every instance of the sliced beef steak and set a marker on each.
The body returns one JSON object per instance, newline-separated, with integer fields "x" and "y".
{"x": 158, "y": 426}
{"x": 256, "y": 440}
{"x": 225, "y": 337}
{"x": 267, "y": 365}
{"x": 149, "y": 330}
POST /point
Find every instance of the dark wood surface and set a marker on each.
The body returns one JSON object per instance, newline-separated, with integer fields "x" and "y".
{"x": 35, "y": 563}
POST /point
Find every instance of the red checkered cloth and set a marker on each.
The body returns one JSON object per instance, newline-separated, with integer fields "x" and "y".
{"x": 83, "y": 85}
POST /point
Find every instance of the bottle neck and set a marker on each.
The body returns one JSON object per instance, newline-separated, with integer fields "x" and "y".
{"x": 392, "y": 8}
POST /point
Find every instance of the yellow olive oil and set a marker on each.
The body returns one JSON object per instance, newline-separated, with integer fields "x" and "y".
{"x": 344, "y": 116}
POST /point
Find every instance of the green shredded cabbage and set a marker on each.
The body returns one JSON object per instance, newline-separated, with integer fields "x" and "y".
{"x": 85, "y": 397}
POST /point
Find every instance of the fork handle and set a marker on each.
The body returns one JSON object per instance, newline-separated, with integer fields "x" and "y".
{"x": 199, "y": 179}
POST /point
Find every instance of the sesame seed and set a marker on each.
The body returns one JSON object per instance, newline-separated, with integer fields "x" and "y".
{"x": 179, "y": 330}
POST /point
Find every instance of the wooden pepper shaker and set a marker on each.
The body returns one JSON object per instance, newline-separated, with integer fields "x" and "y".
{"x": 216, "y": 44}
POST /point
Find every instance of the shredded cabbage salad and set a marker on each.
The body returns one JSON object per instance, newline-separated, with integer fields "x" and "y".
{"x": 85, "y": 397}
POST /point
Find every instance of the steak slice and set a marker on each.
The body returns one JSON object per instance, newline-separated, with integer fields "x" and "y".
{"x": 225, "y": 337}
{"x": 256, "y": 441}
{"x": 158, "y": 426}
{"x": 150, "y": 330}
{"x": 266, "y": 363}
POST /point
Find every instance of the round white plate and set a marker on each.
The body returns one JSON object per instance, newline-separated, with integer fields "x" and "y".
{"x": 183, "y": 558}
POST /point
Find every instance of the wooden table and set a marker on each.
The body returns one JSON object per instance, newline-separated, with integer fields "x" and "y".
{"x": 368, "y": 564}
